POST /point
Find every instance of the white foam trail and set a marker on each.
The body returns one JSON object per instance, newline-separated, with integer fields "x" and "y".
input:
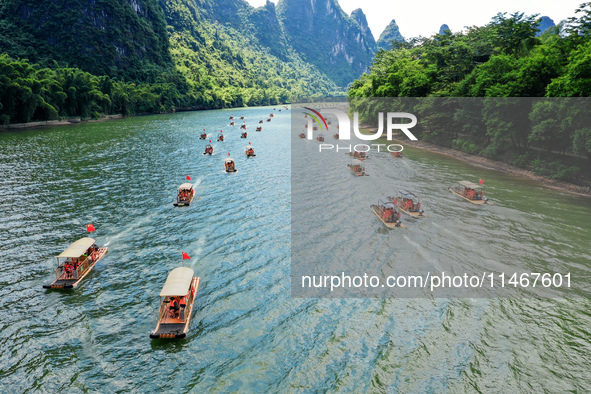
{"x": 132, "y": 226}
{"x": 421, "y": 250}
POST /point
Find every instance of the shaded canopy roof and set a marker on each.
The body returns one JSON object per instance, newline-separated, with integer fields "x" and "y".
{"x": 186, "y": 186}
{"x": 178, "y": 282}
{"x": 407, "y": 194}
{"x": 469, "y": 184}
{"x": 78, "y": 248}
{"x": 387, "y": 204}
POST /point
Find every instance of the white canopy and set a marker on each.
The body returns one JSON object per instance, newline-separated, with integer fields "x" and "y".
{"x": 186, "y": 186}
{"x": 178, "y": 282}
{"x": 78, "y": 248}
{"x": 469, "y": 184}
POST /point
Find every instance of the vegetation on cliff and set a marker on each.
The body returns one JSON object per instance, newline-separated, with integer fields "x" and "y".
{"x": 502, "y": 59}
{"x": 88, "y": 58}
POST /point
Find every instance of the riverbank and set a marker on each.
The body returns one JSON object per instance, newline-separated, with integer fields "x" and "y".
{"x": 499, "y": 166}
{"x": 493, "y": 165}
{"x": 62, "y": 122}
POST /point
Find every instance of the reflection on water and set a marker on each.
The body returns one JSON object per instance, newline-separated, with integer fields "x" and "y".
{"x": 248, "y": 334}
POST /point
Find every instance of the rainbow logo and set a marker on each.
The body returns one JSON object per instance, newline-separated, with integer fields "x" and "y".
{"x": 316, "y": 118}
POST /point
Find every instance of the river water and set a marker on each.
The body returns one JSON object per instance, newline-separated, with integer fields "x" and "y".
{"x": 248, "y": 333}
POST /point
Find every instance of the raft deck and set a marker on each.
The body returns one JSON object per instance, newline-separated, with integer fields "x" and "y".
{"x": 184, "y": 203}
{"x": 63, "y": 282}
{"x": 361, "y": 173}
{"x": 389, "y": 225}
{"x": 476, "y": 202}
{"x": 416, "y": 215}
{"x": 174, "y": 327}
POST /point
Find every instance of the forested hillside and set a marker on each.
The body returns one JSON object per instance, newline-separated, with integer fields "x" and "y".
{"x": 122, "y": 39}
{"x": 319, "y": 30}
{"x": 92, "y": 57}
{"x": 502, "y": 59}
{"x": 243, "y": 62}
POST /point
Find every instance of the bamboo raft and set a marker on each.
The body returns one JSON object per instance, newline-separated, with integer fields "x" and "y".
{"x": 180, "y": 283}
{"x": 399, "y": 200}
{"x": 75, "y": 251}
{"x": 361, "y": 167}
{"x": 474, "y": 187}
{"x": 189, "y": 188}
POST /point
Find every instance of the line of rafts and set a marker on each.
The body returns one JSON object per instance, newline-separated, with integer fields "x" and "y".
{"x": 243, "y": 125}
{"x": 390, "y": 210}
{"x": 230, "y": 163}
{"x": 177, "y": 295}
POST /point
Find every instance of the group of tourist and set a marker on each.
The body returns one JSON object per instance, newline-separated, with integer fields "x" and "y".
{"x": 472, "y": 194}
{"x": 390, "y": 215}
{"x": 184, "y": 195}
{"x": 176, "y": 306}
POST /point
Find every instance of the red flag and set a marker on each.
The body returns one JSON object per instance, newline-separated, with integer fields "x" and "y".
{"x": 249, "y": 143}
{"x": 221, "y": 131}
{"x": 90, "y": 228}
{"x": 209, "y": 140}
{"x": 186, "y": 256}
{"x": 481, "y": 181}
{"x": 188, "y": 178}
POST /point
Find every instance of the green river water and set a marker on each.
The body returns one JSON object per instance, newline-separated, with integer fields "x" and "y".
{"x": 248, "y": 333}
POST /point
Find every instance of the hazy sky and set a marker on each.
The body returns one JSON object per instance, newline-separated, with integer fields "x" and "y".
{"x": 426, "y": 16}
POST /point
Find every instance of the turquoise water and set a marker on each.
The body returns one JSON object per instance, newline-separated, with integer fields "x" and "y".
{"x": 248, "y": 333}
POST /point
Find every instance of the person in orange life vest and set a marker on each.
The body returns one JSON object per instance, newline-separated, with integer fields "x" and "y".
{"x": 174, "y": 306}
{"x": 71, "y": 268}
{"x": 387, "y": 215}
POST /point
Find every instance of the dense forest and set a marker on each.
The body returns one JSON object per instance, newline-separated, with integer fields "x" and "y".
{"x": 505, "y": 58}
{"x": 91, "y": 58}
